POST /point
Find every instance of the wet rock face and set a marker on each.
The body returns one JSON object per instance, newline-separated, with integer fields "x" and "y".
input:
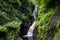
{"x": 25, "y": 26}
{"x": 36, "y": 36}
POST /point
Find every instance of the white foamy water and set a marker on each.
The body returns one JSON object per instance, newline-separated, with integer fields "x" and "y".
{"x": 35, "y": 13}
{"x": 30, "y": 31}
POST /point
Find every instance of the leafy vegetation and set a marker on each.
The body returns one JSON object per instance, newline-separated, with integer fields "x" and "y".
{"x": 13, "y": 12}
{"x": 46, "y": 13}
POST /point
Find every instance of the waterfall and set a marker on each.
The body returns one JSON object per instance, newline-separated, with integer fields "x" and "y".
{"x": 35, "y": 13}
{"x": 30, "y": 31}
{"x": 32, "y": 27}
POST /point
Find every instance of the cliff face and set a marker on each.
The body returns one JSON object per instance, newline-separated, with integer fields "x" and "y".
{"x": 12, "y": 14}
{"x": 48, "y": 19}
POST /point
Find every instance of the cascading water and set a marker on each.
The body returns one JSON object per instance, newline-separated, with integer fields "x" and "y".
{"x": 30, "y": 31}
{"x": 35, "y": 13}
{"x": 32, "y": 27}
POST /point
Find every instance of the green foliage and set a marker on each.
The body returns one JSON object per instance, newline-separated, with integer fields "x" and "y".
{"x": 12, "y": 12}
{"x": 44, "y": 22}
{"x": 46, "y": 11}
{"x": 14, "y": 24}
{"x": 3, "y": 29}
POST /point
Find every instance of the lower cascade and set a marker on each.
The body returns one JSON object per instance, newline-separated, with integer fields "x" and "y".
{"x": 30, "y": 31}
